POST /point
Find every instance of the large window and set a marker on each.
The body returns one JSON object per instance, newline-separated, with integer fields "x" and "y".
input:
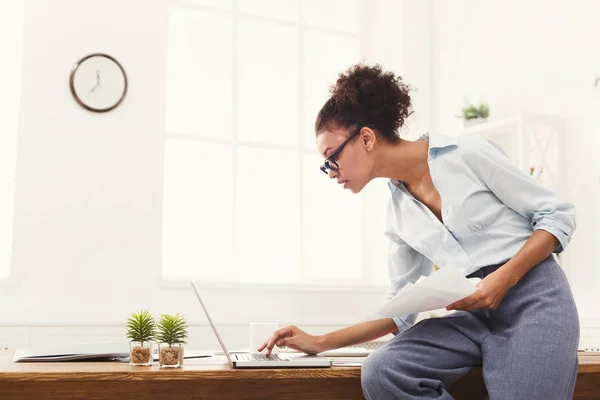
{"x": 244, "y": 199}
{"x": 11, "y": 39}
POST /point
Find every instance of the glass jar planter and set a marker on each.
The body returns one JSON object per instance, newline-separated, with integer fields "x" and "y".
{"x": 170, "y": 355}
{"x": 140, "y": 354}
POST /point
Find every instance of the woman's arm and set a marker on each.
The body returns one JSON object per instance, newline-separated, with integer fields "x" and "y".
{"x": 492, "y": 289}
{"x": 535, "y": 250}
{"x": 297, "y": 339}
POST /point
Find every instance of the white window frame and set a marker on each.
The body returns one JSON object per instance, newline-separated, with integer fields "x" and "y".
{"x": 300, "y": 149}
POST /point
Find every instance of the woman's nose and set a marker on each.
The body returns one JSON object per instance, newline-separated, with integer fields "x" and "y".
{"x": 332, "y": 174}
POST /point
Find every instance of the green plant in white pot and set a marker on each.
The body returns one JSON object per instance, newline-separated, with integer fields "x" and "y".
{"x": 141, "y": 329}
{"x": 172, "y": 331}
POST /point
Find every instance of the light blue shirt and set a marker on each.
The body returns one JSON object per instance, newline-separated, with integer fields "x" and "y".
{"x": 490, "y": 207}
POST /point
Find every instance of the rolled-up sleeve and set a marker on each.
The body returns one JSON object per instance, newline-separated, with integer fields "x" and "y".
{"x": 515, "y": 188}
{"x": 404, "y": 265}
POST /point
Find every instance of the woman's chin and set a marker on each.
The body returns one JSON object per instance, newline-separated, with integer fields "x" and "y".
{"x": 353, "y": 189}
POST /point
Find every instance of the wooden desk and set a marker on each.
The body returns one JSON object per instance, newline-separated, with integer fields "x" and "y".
{"x": 206, "y": 379}
{"x": 209, "y": 379}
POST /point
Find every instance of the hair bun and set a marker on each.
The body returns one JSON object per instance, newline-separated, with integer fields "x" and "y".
{"x": 369, "y": 96}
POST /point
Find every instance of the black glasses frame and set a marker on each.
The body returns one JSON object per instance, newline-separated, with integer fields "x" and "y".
{"x": 330, "y": 162}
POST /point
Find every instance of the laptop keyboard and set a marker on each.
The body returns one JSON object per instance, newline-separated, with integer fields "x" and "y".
{"x": 255, "y": 357}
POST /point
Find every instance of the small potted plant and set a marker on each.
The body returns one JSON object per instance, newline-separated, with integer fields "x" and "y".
{"x": 171, "y": 335}
{"x": 141, "y": 329}
{"x": 473, "y": 115}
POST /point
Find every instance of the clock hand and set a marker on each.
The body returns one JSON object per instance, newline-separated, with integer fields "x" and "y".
{"x": 92, "y": 91}
{"x": 98, "y": 78}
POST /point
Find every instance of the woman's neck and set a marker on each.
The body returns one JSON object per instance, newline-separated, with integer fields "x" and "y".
{"x": 404, "y": 161}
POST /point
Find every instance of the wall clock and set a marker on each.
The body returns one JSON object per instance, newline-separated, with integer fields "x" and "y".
{"x": 98, "y": 82}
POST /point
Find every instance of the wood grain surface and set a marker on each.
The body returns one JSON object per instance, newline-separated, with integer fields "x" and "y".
{"x": 213, "y": 378}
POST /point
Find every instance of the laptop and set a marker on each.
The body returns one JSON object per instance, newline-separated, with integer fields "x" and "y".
{"x": 257, "y": 360}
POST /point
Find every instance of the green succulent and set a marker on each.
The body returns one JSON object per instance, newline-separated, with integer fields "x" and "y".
{"x": 172, "y": 329}
{"x": 141, "y": 327}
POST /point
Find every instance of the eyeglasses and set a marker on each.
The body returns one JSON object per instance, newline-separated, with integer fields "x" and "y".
{"x": 331, "y": 161}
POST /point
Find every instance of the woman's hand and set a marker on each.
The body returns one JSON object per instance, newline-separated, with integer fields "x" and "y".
{"x": 490, "y": 292}
{"x": 293, "y": 338}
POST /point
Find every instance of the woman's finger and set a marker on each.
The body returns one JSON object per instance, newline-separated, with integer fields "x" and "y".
{"x": 280, "y": 334}
{"x": 262, "y": 346}
{"x": 287, "y": 341}
{"x": 479, "y": 304}
{"x": 284, "y": 331}
{"x": 271, "y": 342}
{"x": 467, "y": 301}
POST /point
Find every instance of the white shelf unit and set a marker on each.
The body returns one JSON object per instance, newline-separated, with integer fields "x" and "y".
{"x": 535, "y": 142}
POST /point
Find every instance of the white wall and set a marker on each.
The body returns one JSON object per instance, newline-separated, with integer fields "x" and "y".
{"x": 416, "y": 64}
{"x": 87, "y": 221}
{"x": 11, "y": 31}
{"x": 539, "y": 56}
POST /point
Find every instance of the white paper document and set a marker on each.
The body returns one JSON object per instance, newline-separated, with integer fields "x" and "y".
{"x": 438, "y": 290}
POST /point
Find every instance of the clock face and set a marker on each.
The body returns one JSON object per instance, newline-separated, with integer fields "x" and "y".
{"x": 98, "y": 83}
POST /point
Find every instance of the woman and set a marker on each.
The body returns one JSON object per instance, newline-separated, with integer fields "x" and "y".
{"x": 455, "y": 202}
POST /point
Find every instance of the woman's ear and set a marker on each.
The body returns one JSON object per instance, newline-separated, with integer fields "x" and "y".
{"x": 368, "y": 138}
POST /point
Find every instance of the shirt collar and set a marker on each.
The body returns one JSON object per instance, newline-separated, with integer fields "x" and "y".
{"x": 437, "y": 141}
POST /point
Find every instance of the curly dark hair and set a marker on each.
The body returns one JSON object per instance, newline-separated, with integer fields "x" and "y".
{"x": 367, "y": 96}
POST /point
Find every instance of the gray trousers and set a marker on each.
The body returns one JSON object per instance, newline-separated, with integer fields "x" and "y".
{"x": 527, "y": 346}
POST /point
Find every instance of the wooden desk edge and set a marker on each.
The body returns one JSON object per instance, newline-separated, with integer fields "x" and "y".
{"x": 185, "y": 375}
